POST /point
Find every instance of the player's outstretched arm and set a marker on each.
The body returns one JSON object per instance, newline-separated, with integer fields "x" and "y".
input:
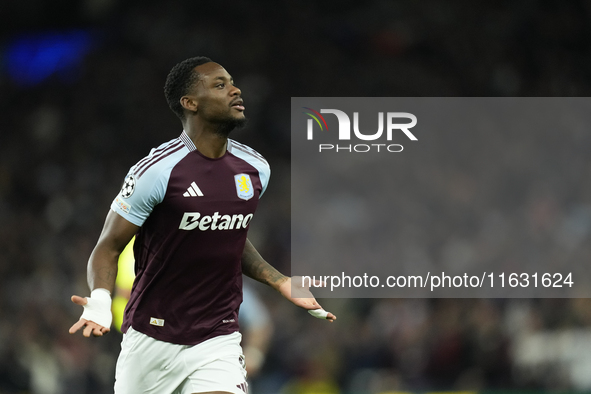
{"x": 102, "y": 271}
{"x": 255, "y": 267}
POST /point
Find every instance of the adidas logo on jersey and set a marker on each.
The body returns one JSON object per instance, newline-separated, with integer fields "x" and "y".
{"x": 243, "y": 387}
{"x": 193, "y": 191}
{"x": 193, "y": 220}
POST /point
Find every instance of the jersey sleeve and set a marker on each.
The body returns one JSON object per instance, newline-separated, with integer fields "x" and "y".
{"x": 264, "y": 174}
{"x": 139, "y": 195}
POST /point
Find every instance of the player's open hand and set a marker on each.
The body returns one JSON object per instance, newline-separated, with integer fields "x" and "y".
{"x": 96, "y": 318}
{"x": 294, "y": 290}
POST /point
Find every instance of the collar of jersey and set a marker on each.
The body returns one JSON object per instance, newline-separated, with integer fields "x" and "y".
{"x": 187, "y": 141}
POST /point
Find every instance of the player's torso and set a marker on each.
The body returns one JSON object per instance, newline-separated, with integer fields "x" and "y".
{"x": 189, "y": 248}
{"x": 208, "y": 195}
{"x": 206, "y": 210}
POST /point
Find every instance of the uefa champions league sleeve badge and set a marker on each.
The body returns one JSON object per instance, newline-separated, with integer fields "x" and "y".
{"x": 128, "y": 187}
{"x": 244, "y": 186}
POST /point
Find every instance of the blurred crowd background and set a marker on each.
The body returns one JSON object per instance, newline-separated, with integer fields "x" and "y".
{"x": 81, "y": 101}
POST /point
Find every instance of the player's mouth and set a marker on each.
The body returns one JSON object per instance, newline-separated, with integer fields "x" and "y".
{"x": 238, "y": 104}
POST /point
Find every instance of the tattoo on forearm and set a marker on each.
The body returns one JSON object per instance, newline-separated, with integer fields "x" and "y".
{"x": 255, "y": 267}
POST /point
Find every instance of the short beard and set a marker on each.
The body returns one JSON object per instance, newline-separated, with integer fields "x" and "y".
{"x": 225, "y": 128}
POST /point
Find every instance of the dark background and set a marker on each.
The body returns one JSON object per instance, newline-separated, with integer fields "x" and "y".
{"x": 72, "y": 125}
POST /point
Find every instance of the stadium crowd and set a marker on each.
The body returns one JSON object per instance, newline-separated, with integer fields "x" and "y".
{"x": 66, "y": 144}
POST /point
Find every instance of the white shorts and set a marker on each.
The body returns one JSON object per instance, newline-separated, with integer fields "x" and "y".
{"x": 147, "y": 365}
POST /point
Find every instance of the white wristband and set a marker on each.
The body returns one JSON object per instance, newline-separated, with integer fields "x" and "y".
{"x": 318, "y": 313}
{"x": 98, "y": 308}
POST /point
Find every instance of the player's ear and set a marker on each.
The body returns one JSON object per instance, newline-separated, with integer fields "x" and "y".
{"x": 189, "y": 103}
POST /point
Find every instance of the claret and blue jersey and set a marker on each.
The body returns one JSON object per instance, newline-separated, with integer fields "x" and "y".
{"x": 193, "y": 213}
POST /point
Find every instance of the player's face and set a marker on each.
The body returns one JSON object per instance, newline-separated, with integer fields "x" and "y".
{"x": 219, "y": 99}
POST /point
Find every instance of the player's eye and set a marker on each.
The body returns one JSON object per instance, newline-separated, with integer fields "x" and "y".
{"x": 220, "y": 85}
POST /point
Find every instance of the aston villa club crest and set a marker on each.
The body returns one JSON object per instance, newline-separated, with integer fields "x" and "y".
{"x": 244, "y": 186}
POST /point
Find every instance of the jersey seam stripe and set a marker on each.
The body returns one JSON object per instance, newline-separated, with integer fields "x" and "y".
{"x": 246, "y": 147}
{"x": 250, "y": 153}
{"x": 254, "y": 152}
{"x": 253, "y": 156}
{"x": 146, "y": 160}
{"x": 155, "y": 158}
{"x": 149, "y": 157}
{"x": 160, "y": 158}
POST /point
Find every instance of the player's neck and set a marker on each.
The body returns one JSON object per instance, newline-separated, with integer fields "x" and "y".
{"x": 208, "y": 143}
